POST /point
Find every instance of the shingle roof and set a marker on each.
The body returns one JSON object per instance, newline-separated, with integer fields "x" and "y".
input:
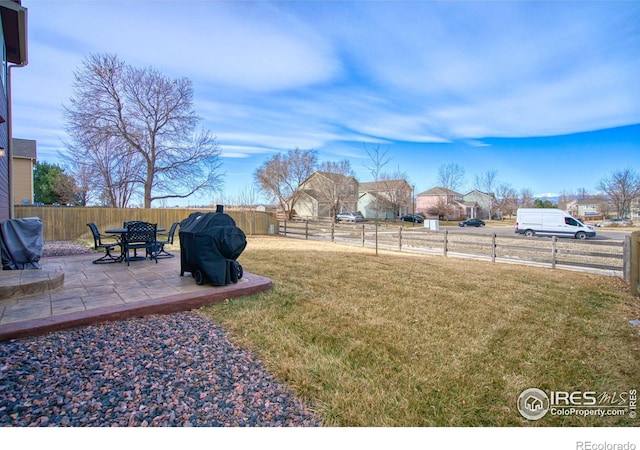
{"x": 24, "y": 148}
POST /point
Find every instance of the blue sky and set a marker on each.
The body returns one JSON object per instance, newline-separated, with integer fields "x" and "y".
{"x": 546, "y": 93}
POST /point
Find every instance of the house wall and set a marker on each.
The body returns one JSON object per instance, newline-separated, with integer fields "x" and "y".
{"x": 307, "y": 206}
{"x": 5, "y": 207}
{"x": 367, "y": 207}
{"x": 483, "y": 201}
{"x": 426, "y": 202}
{"x": 23, "y": 181}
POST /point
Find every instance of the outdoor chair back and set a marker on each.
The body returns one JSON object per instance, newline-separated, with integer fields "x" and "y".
{"x": 140, "y": 235}
{"x": 107, "y": 246}
{"x": 162, "y": 253}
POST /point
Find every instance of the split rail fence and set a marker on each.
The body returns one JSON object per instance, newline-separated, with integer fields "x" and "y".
{"x": 608, "y": 257}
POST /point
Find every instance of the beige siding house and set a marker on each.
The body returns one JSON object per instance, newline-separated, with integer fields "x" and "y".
{"x": 326, "y": 194}
{"x": 24, "y": 161}
{"x": 385, "y": 199}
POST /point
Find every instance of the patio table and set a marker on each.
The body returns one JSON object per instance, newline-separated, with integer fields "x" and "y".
{"x": 123, "y": 235}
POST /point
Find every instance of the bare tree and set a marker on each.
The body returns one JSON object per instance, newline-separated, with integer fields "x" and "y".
{"x": 507, "y": 199}
{"x": 565, "y": 198}
{"x": 110, "y": 169}
{"x": 582, "y": 194}
{"x": 488, "y": 183}
{"x": 337, "y": 186}
{"x": 396, "y": 192}
{"x": 149, "y": 115}
{"x": 451, "y": 177}
{"x": 248, "y": 202}
{"x": 622, "y": 187}
{"x": 440, "y": 209}
{"x": 526, "y": 198}
{"x": 378, "y": 159}
{"x": 280, "y": 177}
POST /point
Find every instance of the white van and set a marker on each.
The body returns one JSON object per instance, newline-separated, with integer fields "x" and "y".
{"x": 551, "y": 222}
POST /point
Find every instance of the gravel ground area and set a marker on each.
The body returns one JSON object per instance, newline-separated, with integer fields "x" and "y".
{"x": 158, "y": 371}
{"x": 64, "y": 248}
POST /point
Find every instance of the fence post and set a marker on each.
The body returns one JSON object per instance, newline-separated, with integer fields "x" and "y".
{"x": 493, "y": 248}
{"x": 634, "y": 261}
{"x": 400, "y": 240}
{"x": 626, "y": 259}
{"x": 306, "y": 228}
{"x": 554, "y": 240}
{"x": 445, "y": 249}
{"x": 333, "y": 230}
{"x": 285, "y": 227}
{"x": 362, "y": 235}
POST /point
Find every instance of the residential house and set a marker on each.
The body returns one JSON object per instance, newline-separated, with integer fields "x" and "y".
{"x": 24, "y": 161}
{"x": 385, "y": 199}
{"x": 14, "y": 47}
{"x": 594, "y": 208}
{"x": 325, "y": 194}
{"x": 480, "y": 204}
{"x": 635, "y": 209}
{"x": 443, "y": 202}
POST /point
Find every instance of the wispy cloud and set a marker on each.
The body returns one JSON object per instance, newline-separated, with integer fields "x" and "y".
{"x": 271, "y": 76}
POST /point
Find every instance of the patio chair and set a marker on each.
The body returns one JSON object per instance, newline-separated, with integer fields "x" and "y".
{"x": 168, "y": 240}
{"x": 107, "y": 246}
{"x": 140, "y": 235}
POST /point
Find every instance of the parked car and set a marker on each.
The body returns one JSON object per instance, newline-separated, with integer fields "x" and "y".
{"x": 349, "y": 217}
{"x": 616, "y": 223}
{"x": 471, "y": 223}
{"x": 415, "y": 218}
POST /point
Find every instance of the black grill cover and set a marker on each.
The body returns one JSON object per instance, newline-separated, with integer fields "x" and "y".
{"x": 210, "y": 243}
{"x": 21, "y": 243}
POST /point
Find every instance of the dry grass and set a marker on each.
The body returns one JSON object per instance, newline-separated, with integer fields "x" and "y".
{"x": 407, "y": 340}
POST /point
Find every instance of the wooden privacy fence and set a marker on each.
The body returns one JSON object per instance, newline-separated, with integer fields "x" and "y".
{"x": 61, "y": 223}
{"x": 611, "y": 257}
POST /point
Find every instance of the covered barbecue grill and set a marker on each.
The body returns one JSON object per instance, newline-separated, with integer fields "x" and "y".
{"x": 21, "y": 243}
{"x": 210, "y": 244}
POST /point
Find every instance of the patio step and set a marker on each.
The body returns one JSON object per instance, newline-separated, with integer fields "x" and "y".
{"x": 20, "y": 283}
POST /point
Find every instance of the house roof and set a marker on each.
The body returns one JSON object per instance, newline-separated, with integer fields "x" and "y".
{"x": 24, "y": 148}
{"x": 14, "y": 26}
{"x": 335, "y": 177}
{"x": 438, "y": 191}
{"x": 590, "y": 201}
{"x": 383, "y": 185}
{"x": 478, "y": 192}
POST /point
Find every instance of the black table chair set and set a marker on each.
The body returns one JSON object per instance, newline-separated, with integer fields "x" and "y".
{"x": 133, "y": 236}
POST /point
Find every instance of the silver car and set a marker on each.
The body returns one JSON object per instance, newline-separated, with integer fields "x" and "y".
{"x": 616, "y": 223}
{"x": 349, "y": 217}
